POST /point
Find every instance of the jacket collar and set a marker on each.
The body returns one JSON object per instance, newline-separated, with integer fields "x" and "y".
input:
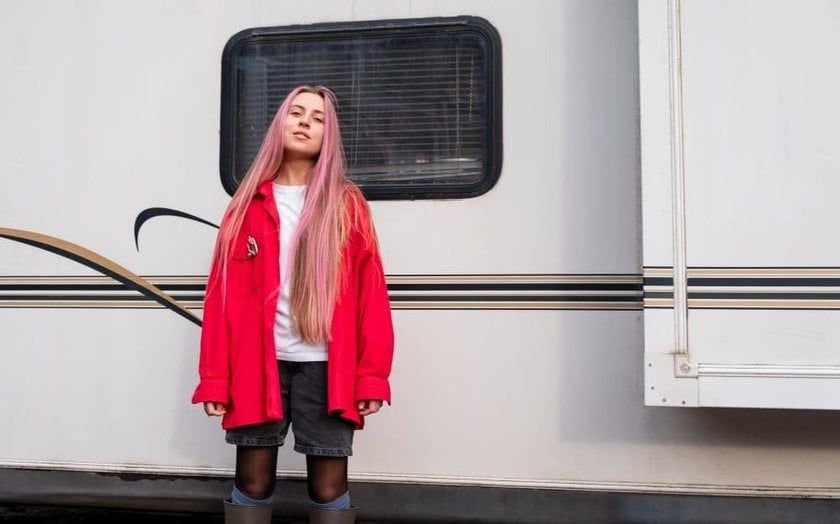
{"x": 265, "y": 189}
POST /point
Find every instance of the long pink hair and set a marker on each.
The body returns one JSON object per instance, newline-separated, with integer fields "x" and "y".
{"x": 323, "y": 227}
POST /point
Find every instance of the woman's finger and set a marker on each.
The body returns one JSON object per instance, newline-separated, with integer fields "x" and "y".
{"x": 369, "y": 407}
{"x": 214, "y": 409}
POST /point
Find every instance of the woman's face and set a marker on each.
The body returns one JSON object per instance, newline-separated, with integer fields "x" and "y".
{"x": 303, "y": 132}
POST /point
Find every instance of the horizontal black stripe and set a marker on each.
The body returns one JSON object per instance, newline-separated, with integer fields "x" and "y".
{"x": 513, "y": 286}
{"x": 94, "y": 287}
{"x": 723, "y": 295}
{"x": 748, "y": 281}
{"x": 392, "y": 287}
{"x": 393, "y": 298}
{"x": 512, "y": 298}
{"x": 63, "y": 287}
{"x": 109, "y": 298}
{"x": 761, "y": 308}
{"x": 764, "y": 296}
{"x": 182, "y": 287}
{"x": 456, "y": 306}
{"x": 658, "y": 281}
{"x": 765, "y": 281}
{"x": 762, "y": 268}
{"x": 397, "y": 298}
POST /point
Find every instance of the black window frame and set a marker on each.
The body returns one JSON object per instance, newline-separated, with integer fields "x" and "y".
{"x": 398, "y": 27}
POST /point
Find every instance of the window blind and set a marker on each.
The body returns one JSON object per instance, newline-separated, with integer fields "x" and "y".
{"x": 416, "y": 106}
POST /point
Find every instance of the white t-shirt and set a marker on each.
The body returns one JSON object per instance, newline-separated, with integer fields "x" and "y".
{"x": 288, "y": 345}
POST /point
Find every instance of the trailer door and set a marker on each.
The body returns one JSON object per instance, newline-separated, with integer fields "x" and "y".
{"x": 740, "y": 164}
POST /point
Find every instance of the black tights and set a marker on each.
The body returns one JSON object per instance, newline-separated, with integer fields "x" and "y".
{"x": 256, "y": 466}
{"x": 256, "y": 470}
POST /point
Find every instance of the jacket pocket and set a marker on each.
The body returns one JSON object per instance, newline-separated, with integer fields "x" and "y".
{"x": 245, "y": 266}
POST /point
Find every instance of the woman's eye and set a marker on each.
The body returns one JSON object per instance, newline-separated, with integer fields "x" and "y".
{"x": 319, "y": 120}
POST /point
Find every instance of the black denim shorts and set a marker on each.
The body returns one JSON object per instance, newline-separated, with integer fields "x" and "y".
{"x": 303, "y": 389}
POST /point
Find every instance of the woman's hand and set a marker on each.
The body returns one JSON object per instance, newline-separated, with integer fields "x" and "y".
{"x": 368, "y": 407}
{"x": 214, "y": 409}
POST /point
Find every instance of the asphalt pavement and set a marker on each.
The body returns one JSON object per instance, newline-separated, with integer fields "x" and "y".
{"x": 64, "y": 515}
{"x": 59, "y": 515}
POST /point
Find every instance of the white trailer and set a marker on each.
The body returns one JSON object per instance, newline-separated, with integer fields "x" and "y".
{"x": 641, "y": 216}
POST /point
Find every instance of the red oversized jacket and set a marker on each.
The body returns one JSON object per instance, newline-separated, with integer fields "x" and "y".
{"x": 238, "y": 363}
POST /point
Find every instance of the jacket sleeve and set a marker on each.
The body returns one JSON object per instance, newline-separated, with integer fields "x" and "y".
{"x": 213, "y": 364}
{"x": 375, "y": 331}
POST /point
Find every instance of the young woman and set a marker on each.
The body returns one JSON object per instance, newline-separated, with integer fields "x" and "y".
{"x": 297, "y": 325}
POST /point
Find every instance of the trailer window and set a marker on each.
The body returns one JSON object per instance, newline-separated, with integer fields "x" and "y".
{"x": 419, "y": 101}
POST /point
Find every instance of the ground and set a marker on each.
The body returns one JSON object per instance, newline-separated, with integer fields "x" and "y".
{"x": 61, "y": 515}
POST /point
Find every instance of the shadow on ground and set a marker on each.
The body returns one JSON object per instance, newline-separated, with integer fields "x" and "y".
{"x": 63, "y": 515}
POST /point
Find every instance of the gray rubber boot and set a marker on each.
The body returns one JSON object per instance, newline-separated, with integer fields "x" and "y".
{"x": 332, "y": 516}
{"x": 247, "y": 514}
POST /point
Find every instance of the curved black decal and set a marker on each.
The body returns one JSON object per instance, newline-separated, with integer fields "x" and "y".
{"x": 153, "y": 212}
{"x": 101, "y": 264}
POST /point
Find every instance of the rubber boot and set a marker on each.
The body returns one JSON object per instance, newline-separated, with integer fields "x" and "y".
{"x": 247, "y": 513}
{"x": 332, "y": 516}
